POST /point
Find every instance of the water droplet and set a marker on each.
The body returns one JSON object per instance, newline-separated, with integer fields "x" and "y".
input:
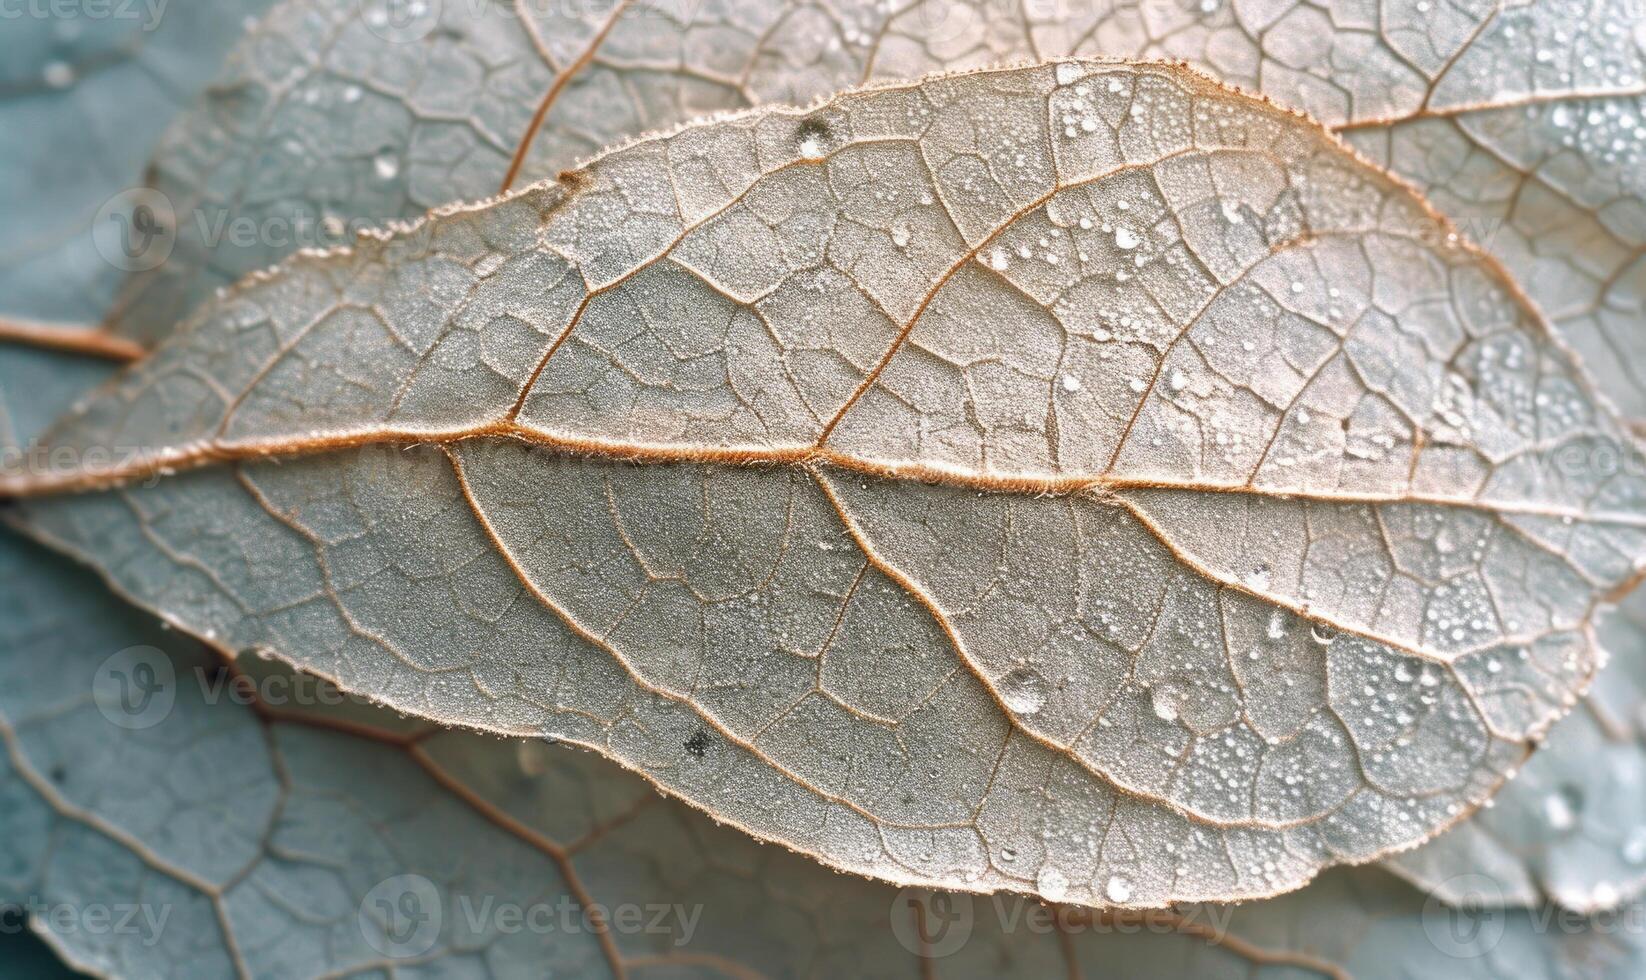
{"x": 1118, "y": 889}
{"x": 1126, "y": 239}
{"x": 1634, "y": 849}
{"x": 1323, "y": 634}
{"x": 1561, "y": 808}
{"x": 58, "y": 74}
{"x": 1053, "y": 884}
{"x": 1164, "y": 707}
{"x": 1071, "y": 383}
{"x": 1024, "y": 690}
{"x": 387, "y": 165}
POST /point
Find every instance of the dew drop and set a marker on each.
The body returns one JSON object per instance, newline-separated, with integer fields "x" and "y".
{"x": 1024, "y": 690}
{"x": 1053, "y": 884}
{"x": 1164, "y": 707}
{"x": 1561, "y": 807}
{"x": 1118, "y": 889}
{"x": 1126, "y": 239}
{"x": 1634, "y": 849}
{"x": 1071, "y": 383}
{"x": 58, "y": 74}
{"x": 386, "y": 164}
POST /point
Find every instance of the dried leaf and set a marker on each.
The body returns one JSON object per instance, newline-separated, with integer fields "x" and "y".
{"x": 1169, "y": 499}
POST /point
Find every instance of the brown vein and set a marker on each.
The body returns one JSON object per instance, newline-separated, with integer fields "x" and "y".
{"x": 70, "y": 339}
{"x": 555, "y": 88}
{"x": 140, "y": 466}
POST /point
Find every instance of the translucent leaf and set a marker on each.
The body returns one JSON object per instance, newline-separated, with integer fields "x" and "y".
{"x": 1518, "y": 122}
{"x": 959, "y": 497}
{"x": 1523, "y": 122}
{"x": 1571, "y": 828}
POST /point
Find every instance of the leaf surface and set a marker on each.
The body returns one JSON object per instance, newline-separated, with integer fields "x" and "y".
{"x": 1164, "y": 500}
{"x": 1522, "y": 124}
{"x": 272, "y": 866}
{"x": 1523, "y": 121}
{"x": 1570, "y": 828}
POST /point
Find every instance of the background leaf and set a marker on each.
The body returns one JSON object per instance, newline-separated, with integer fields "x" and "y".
{"x": 84, "y": 99}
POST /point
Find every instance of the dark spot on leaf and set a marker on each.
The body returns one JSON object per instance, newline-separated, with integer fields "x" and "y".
{"x": 814, "y": 128}
{"x": 58, "y": 774}
{"x": 698, "y": 744}
{"x": 814, "y": 138}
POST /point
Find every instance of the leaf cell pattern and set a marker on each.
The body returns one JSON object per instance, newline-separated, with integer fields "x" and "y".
{"x": 1113, "y": 458}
